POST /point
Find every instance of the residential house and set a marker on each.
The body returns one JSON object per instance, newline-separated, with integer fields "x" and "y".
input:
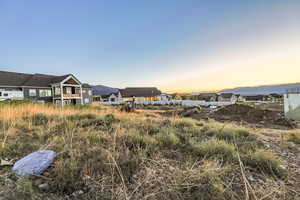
{"x": 164, "y": 97}
{"x": 292, "y": 104}
{"x": 276, "y": 97}
{"x": 97, "y": 98}
{"x": 140, "y": 94}
{"x": 106, "y": 94}
{"x": 61, "y": 90}
{"x": 254, "y": 98}
{"x": 207, "y": 97}
{"x": 112, "y": 97}
{"x": 87, "y": 93}
{"x": 228, "y": 97}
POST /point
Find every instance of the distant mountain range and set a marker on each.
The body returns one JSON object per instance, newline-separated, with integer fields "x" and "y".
{"x": 266, "y": 89}
{"x": 103, "y": 90}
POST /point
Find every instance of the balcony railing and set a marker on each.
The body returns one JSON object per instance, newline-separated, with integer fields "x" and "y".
{"x": 71, "y": 95}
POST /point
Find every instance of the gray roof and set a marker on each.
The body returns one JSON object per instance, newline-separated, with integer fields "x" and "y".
{"x": 43, "y": 80}
{"x": 140, "y": 92}
{"x": 99, "y": 90}
{"x": 226, "y": 95}
{"x": 13, "y": 78}
{"x": 34, "y": 80}
{"x": 85, "y": 85}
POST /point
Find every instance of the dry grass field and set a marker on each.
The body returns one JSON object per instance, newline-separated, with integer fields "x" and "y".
{"x": 103, "y": 153}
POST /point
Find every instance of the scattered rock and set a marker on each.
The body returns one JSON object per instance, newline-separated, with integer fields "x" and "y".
{"x": 172, "y": 169}
{"x": 38, "y": 182}
{"x": 86, "y": 177}
{"x": 44, "y": 186}
{"x": 77, "y": 193}
{"x": 250, "y": 178}
{"x": 283, "y": 167}
{"x": 6, "y": 163}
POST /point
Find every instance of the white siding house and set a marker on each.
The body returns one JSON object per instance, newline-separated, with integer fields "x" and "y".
{"x": 11, "y": 94}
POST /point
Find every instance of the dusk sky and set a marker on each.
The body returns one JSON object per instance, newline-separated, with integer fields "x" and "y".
{"x": 176, "y": 45}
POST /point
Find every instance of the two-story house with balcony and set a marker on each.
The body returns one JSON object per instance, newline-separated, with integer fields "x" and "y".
{"x": 61, "y": 90}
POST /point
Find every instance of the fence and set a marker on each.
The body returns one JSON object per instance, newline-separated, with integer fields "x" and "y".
{"x": 172, "y": 102}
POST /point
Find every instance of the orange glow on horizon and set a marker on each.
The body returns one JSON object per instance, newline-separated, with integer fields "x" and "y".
{"x": 277, "y": 61}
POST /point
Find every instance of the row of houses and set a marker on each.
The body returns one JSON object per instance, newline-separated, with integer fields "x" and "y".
{"x": 67, "y": 90}
{"x": 231, "y": 97}
{"x": 131, "y": 93}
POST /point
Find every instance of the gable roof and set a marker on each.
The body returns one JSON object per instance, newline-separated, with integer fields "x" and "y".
{"x": 207, "y": 96}
{"x": 29, "y": 80}
{"x": 104, "y": 96}
{"x": 42, "y": 80}
{"x": 226, "y": 95}
{"x": 140, "y": 92}
{"x": 202, "y": 94}
{"x": 85, "y": 85}
{"x": 13, "y": 78}
{"x": 255, "y": 97}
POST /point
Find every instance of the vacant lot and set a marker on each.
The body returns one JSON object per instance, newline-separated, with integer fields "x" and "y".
{"x": 266, "y": 115}
{"x": 106, "y": 154}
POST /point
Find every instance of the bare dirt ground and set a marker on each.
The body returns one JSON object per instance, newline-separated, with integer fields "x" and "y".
{"x": 259, "y": 116}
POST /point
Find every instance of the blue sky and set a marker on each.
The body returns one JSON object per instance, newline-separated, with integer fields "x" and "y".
{"x": 176, "y": 45}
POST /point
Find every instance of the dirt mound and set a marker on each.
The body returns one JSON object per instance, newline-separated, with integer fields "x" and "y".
{"x": 250, "y": 114}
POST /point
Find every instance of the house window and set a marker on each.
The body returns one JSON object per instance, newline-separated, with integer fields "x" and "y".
{"x": 45, "y": 93}
{"x": 90, "y": 92}
{"x": 0, "y": 94}
{"x": 5, "y": 94}
{"x": 68, "y": 90}
{"x": 57, "y": 91}
{"x": 86, "y": 100}
{"x": 32, "y": 92}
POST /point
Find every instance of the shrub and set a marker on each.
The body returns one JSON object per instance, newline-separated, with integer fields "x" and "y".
{"x": 23, "y": 144}
{"x": 150, "y": 127}
{"x": 25, "y": 185}
{"x": 64, "y": 126}
{"x": 3, "y": 125}
{"x": 242, "y": 137}
{"x": 294, "y": 137}
{"x": 80, "y": 117}
{"x": 207, "y": 186}
{"x": 110, "y": 118}
{"x": 215, "y": 149}
{"x": 185, "y": 123}
{"x": 136, "y": 142}
{"x": 40, "y": 119}
{"x": 73, "y": 165}
{"x": 167, "y": 139}
{"x": 190, "y": 112}
{"x": 101, "y": 124}
{"x": 264, "y": 161}
{"x": 98, "y": 138}
{"x": 66, "y": 175}
{"x": 203, "y": 182}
